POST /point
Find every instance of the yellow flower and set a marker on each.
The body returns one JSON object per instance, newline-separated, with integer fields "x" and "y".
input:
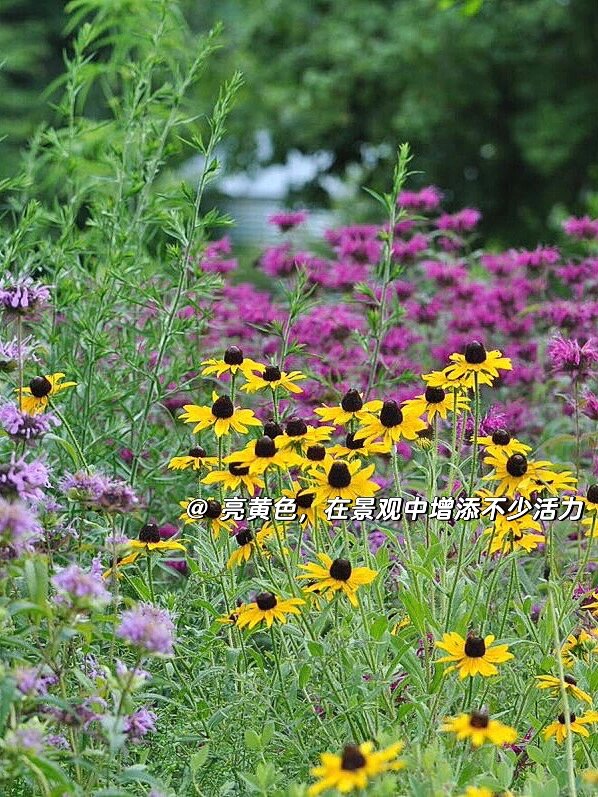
{"x": 337, "y": 574}
{"x": 34, "y": 399}
{"x": 341, "y": 479}
{"x": 436, "y": 401}
{"x": 301, "y": 436}
{"x": 150, "y": 540}
{"x": 514, "y": 535}
{"x": 354, "y": 768}
{"x": 558, "y": 729}
{"x": 476, "y": 360}
{"x": 591, "y": 603}
{"x": 234, "y": 477}
{"x": 443, "y": 380}
{"x": 248, "y": 542}
{"x": 196, "y": 459}
{"x": 501, "y": 442}
{"x": 554, "y": 684}
{"x": 479, "y": 728}
{"x": 356, "y": 446}
{"x": 271, "y": 376}
{"x": 211, "y": 517}
{"x": 222, "y": 415}
{"x": 583, "y": 646}
{"x": 351, "y": 407}
{"x": 267, "y": 608}
{"x": 120, "y": 563}
{"x": 515, "y": 474}
{"x": 232, "y": 362}
{"x": 307, "y": 511}
{"x": 474, "y": 655}
{"x": 590, "y": 776}
{"x": 262, "y": 453}
{"x": 484, "y": 791}
{"x": 391, "y": 424}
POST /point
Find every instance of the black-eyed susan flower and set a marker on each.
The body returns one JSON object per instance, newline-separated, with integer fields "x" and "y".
{"x": 268, "y": 608}
{"x": 436, "y": 401}
{"x": 270, "y": 376}
{"x": 474, "y": 655}
{"x": 391, "y": 424}
{"x": 479, "y": 728}
{"x": 577, "y": 724}
{"x": 149, "y": 540}
{"x": 315, "y": 454}
{"x": 247, "y": 543}
{"x": 443, "y": 380}
{"x": 501, "y": 442}
{"x": 591, "y": 511}
{"x": 519, "y": 534}
{"x": 583, "y": 646}
{"x": 122, "y": 561}
{"x": 235, "y": 476}
{"x": 232, "y": 362}
{"x": 301, "y": 436}
{"x": 336, "y": 575}
{"x": 307, "y": 511}
{"x": 355, "y": 767}
{"x": 262, "y": 453}
{"x": 222, "y": 416}
{"x": 343, "y": 479}
{"x": 34, "y": 398}
{"x": 514, "y": 474}
{"x": 554, "y": 482}
{"x": 484, "y": 791}
{"x": 591, "y": 603}
{"x": 355, "y": 445}
{"x": 212, "y": 516}
{"x": 197, "y": 459}
{"x": 554, "y": 685}
{"x": 477, "y": 361}
{"x": 352, "y": 407}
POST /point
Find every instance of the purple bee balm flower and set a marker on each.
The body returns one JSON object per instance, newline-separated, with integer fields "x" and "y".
{"x": 58, "y": 741}
{"x": 589, "y": 406}
{"x": 139, "y": 724}
{"x": 78, "y": 589}
{"x": 21, "y": 479}
{"x": 26, "y": 739}
{"x": 288, "y": 220}
{"x": 463, "y": 221}
{"x": 24, "y": 298}
{"x": 427, "y": 199}
{"x": 567, "y": 356}
{"x": 9, "y": 354}
{"x": 31, "y": 682}
{"x": 19, "y": 529}
{"x": 22, "y": 426}
{"x": 149, "y": 628}
{"x": 99, "y": 492}
{"x": 583, "y": 228}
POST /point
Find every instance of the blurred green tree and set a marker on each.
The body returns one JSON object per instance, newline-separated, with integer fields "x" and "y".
{"x": 497, "y": 99}
{"x": 31, "y": 44}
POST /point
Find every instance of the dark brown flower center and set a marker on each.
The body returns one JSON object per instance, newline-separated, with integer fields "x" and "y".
{"x": 304, "y": 500}
{"x": 475, "y": 353}
{"x": 351, "y": 401}
{"x": 296, "y": 427}
{"x": 562, "y": 720}
{"x": 593, "y": 494}
{"x": 475, "y": 647}
{"x": 517, "y": 465}
{"x": 236, "y": 469}
{"x": 434, "y": 395}
{"x": 197, "y": 452}
{"x": 339, "y": 475}
{"x": 233, "y": 356}
{"x": 223, "y": 407}
{"x": 265, "y": 447}
{"x": 149, "y": 533}
{"x": 271, "y": 373}
{"x": 40, "y": 386}
{"x": 569, "y": 679}
{"x": 214, "y": 509}
{"x": 244, "y": 537}
{"x": 479, "y": 719}
{"x": 266, "y": 601}
{"x": 390, "y": 414}
{"x": 315, "y": 453}
{"x": 501, "y": 437}
{"x": 272, "y": 429}
{"x": 341, "y": 569}
{"x": 352, "y": 758}
{"x": 353, "y": 443}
